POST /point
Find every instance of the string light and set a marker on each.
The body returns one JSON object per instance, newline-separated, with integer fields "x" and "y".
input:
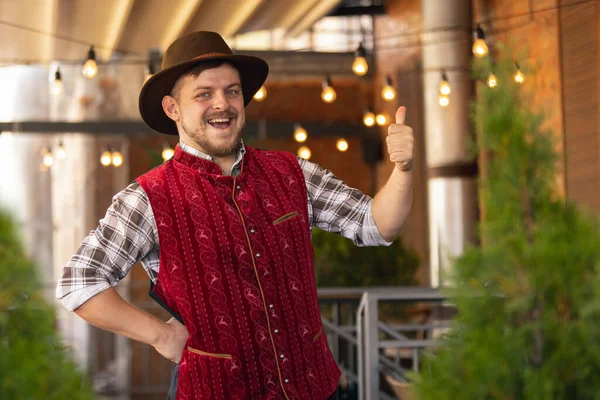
{"x": 60, "y": 151}
{"x": 388, "y": 92}
{"x": 360, "y": 65}
{"x": 117, "y": 159}
{"x": 261, "y": 94}
{"x": 444, "y": 100}
{"x": 328, "y": 94}
{"x": 519, "y": 77}
{"x": 341, "y": 145}
{"x": 167, "y": 152}
{"x": 300, "y": 134}
{"x": 90, "y": 68}
{"x": 304, "y": 152}
{"x": 106, "y": 158}
{"x": 445, "y": 88}
{"x": 56, "y": 87}
{"x": 368, "y": 118}
{"x": 47, "y": 158}
{"x": 480, "y": 48}
{"x": 381, "y": 119}
{"x": 492, "y": 81}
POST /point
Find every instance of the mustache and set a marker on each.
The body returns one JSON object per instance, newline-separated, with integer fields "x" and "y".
{"x": 222, "y": 115}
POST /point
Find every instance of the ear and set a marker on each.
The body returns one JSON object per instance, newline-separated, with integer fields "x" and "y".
{"x": 170, "y": 108}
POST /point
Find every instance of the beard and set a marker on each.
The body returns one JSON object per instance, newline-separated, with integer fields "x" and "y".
{"x": 211, "y": 148}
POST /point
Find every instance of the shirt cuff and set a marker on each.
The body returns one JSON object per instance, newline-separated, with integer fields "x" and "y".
{"x": 73, "y": 300}
{"x": 370, "y": 233}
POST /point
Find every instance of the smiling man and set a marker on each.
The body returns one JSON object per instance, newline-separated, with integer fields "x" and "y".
{"x": 223, "y": 231}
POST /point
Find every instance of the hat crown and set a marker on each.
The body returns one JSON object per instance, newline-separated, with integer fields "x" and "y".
{"x": 193, "y": 46}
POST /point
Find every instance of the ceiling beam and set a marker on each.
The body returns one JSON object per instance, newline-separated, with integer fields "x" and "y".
{"x": 296, "y": 12}
{"x": 187, "y": 9}
{"x": 313, "y": 15}
{"x": 51, "y": 17}
{"x": 115, "y": 30}
{"x": 239, "y": 17}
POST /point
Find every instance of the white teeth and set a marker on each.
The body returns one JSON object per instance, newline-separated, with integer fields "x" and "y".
{"x": 215, "y": 120}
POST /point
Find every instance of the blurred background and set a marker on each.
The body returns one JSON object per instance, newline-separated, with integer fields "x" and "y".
{"x": 71, "y": 137}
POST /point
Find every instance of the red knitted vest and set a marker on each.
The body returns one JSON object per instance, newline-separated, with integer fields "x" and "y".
{"x": 236, "y": 263}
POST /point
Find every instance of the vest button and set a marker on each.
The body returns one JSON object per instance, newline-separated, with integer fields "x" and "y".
{"x": 252, "y": 230}
{"x": 276, "y": 331}
{"x": 286, "y": 380}
{"x": 271, "y": 306}
{"x": 282, "y": 356}
{"x": 238, "y": 187}
{"x": 257, "y": 255}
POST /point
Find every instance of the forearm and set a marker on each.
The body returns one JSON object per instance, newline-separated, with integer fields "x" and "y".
{"x": 109, "y": 311}
{"x": 392, "y": 204}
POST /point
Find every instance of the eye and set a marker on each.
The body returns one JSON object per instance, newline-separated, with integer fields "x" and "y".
{"x": 233, "y": 92}
{"x": 202, "y": 95}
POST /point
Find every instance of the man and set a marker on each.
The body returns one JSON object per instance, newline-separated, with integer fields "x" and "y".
{"x": 223, "y": 231}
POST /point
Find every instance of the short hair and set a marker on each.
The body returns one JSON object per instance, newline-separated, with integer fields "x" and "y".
{"x": 195, "y": 71}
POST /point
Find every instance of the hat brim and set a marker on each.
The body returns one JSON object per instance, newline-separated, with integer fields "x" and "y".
{"x": 253, "y": 73}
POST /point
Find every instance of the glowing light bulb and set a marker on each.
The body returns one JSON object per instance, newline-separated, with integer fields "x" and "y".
{"x": 381, "y": 119}
{"x": 300, "y": 134}
{"x": 445, "y": 88}
{"x": 106, "y": 158}
{"x": 304, "y": 152}
{"x": 56, "y": 87}
{"x": 60, "y": 151}
{"x": 388, "y": 92}
{"x": 90, "y": 68}
{"x": 167, "y": 153}
{"x": 480, "y": 48}
{"x": 444, "y": 100}
{"x": 117, "y": 159}
{"x": 328, "y": 94}
{"x": 261, "y": 94}
{"x": 360, "y": 65}
{"x": 492, "y": 81}
{"x": 369, "y": 118}
{"x": 47, "y": 159}
{"x": 341, "y": 145}
{"x": 519, "y": 77}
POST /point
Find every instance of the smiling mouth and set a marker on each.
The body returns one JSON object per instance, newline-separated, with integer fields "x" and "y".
{"x": 220, "y": 123}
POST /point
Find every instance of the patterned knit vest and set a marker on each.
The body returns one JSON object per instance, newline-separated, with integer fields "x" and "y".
{"x": 236, "y": 263}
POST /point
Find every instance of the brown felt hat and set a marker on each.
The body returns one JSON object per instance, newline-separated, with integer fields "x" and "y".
{"x": 182, "y": 55}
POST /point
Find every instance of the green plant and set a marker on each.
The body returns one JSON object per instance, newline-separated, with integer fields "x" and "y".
{"x": 340, "y": 263}
{"x": 529, "y": 298}
{"x": 33, "y": 362}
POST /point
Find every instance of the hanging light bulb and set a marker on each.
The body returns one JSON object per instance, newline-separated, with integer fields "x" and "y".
{"x": 519, "y": 77}
{"x": 445, "y": 88}
{"x": 444, "y": 100}
{"x": 341, "y": 145}
{"x": 167, "y": 152}
{"x": 360, "y": 65}
{"x": 151, "y": 71}
{"x": 261, "y": 94}
{"x": 60, "y": 151}
{"x": 47, "y": 158}
{"x": 492, "y": 81}
{"x": 56, "y": 87}
{"x": 300, "y": 134}
{"x": 381, "y": 119}
{"x": 304, "y": 152}
{"x": 480, "y": 48}
{"x": 328, "y": 94}
{"x": 106, "y": 158}
{"x": 117, "y": 159}
{"x": 90, "y": 68}
{"x": 388, "y": 92}
{"x": 368, "y": 118}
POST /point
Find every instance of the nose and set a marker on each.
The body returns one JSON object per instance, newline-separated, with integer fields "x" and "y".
{"x": 220, "y": 101}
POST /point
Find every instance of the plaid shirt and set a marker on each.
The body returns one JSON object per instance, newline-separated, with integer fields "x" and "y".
{"x": 128, "y": 234}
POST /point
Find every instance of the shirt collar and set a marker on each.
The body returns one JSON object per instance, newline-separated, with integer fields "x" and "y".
{"x": 197, "y": 153}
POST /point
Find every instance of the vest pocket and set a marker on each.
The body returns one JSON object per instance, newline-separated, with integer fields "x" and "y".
{"x": 285, "y": 217}
{"x": 204, "y": 353}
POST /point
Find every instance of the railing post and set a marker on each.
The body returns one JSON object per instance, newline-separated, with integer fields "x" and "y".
{"x": 371, "y": 346}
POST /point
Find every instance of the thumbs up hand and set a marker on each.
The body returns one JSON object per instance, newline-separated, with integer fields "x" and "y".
{"x": 400, "y": 142}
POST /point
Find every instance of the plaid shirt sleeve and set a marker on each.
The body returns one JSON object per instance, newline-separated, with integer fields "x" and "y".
{"x": 335, "y": 207}
{"x": 126, "y": 235}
